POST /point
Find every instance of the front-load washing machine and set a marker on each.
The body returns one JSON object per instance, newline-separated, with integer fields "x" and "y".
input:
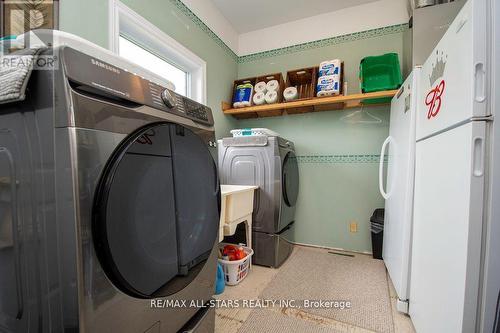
{"x": 268, "y": 162}
{"x": 109, "y": 203}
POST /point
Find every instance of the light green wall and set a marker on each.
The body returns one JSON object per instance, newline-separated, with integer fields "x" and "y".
{"x": 89, "y": 19}
{"x": 334, "y": 189}
{"x": 337, "y": 160}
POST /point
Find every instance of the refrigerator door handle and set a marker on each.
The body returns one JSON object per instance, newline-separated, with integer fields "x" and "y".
{"x": 381, "y": 168}
{"x": 479, "y": 82}
{"x": 478, "y": 156}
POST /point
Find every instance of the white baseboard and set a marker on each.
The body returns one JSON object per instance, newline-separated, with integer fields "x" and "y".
{"x": 331, "y": 248}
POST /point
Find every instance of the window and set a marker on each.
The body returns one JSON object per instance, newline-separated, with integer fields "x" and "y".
{"x": 138, "y": 40}
{"x": 137, "y": 54}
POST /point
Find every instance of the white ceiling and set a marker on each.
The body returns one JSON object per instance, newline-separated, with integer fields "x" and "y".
{"x": 250, "y": 15}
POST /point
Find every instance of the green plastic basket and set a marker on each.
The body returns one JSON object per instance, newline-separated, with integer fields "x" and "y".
{"x": 378, "y": 73}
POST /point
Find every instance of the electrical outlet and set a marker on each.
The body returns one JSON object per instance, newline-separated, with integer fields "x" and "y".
{"x": 353, "y": 226}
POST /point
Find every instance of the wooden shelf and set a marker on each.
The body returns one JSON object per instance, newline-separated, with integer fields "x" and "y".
{"x": 315, "y": 104}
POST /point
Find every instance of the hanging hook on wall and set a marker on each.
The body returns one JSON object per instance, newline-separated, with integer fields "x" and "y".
{"x": 361, "y": 116}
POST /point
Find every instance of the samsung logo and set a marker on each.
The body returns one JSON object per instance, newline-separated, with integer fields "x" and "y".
{"x": 105, "y": 66}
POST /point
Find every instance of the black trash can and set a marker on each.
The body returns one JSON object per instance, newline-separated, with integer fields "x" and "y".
{"x": 377, "y": 229}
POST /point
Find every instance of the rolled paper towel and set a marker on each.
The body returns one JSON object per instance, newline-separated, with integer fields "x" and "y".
{"x": 260, "y": 87}
{"x": 324, "y": 93}
{"x": 290, "y": 93}
{"x": 273, "y": 85}
{"x": 328, "y": 79}
{"x": 259, "y": 98}
{"x": 328, "y": 89}
{"x": 243, "y": 95}
{"x": 328, "y": 85}
{"x": 330, "y": 67}
{"x": 271, "y": 97}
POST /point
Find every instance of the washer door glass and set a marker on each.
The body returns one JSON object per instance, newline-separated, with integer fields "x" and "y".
{"x": 290, "y": 179}
{"x": 156, "y": 211}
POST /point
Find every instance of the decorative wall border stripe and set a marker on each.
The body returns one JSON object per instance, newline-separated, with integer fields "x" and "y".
{"x": 289, "y": 49}
{"x": 339, "y": 159}
{"x": 199, "y": 23}
{"x": 326, "y": 42}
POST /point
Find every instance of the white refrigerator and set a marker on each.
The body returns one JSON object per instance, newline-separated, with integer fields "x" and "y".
{"x": 489, "y": 319}
{"x": 452, "y": 177}
{"x": 398, "y": 190}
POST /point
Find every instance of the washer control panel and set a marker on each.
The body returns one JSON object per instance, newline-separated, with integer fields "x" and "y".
{"x": 196, "y": 110}
{"x": 93, "y": 74}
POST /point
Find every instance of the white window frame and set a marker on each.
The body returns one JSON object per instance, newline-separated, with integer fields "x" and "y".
{"x": 124, "y": 21}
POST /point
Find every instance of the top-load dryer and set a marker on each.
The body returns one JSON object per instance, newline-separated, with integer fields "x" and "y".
{"x": 268, "y": 162}
{"x": 109, "y": 203}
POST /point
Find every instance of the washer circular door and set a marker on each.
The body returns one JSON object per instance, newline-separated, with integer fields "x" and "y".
{"x": 156, "y": 211}
{"x": 290, "y": 179}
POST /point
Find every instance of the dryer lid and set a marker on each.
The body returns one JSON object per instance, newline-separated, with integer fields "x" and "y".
{"x": 245, "y": 141}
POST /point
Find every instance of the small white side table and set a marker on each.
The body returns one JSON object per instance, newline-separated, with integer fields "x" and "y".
{"x": 236, "y": 208}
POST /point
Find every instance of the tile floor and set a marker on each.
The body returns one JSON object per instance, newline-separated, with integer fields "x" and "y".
{"x": 229, "y": 320}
